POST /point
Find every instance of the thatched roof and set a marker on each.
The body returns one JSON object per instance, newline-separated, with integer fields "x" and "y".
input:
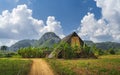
{"x": 68, "y": 38}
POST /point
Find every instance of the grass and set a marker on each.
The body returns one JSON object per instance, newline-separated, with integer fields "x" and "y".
{"x": 59, "y": 69}
{"x": 104, "y": 65}
{"x": 9, "y": 66}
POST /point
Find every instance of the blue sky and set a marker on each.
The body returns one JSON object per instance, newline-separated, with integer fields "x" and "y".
{"x": 96, "y": 20}
{"x": 68, "y": 12}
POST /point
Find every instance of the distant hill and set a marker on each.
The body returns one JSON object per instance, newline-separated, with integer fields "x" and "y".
{"x": 48, "y": 40}
{"x": 89, "y": 43}
{"x": 104, "y": 45}
{"x": 108, "y": 45}
{"x": 22, "y": 44}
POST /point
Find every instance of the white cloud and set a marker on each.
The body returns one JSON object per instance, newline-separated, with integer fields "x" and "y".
{"x": 53, "y": 25}
{"x": 7, "y": 42}
{"x": 105, "y": 29}
{"x": 19, "y": 24}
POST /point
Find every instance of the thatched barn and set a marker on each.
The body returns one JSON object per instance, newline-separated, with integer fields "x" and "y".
{"x": 72, "y": 39}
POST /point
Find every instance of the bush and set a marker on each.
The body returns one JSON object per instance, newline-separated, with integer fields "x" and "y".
{"x": 101, "y": 52}
{"x": 10, "y": 54}
{"x": 112, "y": 51}
{"x": 31, "y": 52}
{"x": 87, "y": 52}
{"x": 1, "y": 55}
{"x": 66, "y": 51}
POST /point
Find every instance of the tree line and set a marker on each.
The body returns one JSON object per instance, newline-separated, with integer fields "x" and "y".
{"x": 67, "y": 51}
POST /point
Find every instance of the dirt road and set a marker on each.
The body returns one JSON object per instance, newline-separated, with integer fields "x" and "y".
{"x": 40, "y": 67}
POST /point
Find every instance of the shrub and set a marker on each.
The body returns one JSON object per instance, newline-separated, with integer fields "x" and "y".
{"x": 31, "y": 52}
{"x": 87, "y": 52}
{"x": 66, "y": 51}
{"x": 112, "y": 51}
{"x": 1, "y": 55}
{"x": 10, "y": 54}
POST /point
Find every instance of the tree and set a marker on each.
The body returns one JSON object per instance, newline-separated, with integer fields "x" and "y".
{"x": 87, "y": 52}
{"x": 112, "y": 51}
{"x": 68, "y": 52}
{"x": 101, "y": 52}
{"x": 95, "y": 50}
{"x": 31, "y": 52}
{"x": 64, "y": 50}
{"x": 4, "y": 48}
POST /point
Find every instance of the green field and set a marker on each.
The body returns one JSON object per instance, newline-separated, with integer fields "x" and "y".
{"x": 14, "y": 66}
{"x": 104, "y": 65}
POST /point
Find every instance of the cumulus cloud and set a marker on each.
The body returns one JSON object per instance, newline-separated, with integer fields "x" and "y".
{"x": 19, "y": 24}
{"x": 7, "y": 42}
{"x": 105, "y": 29}
{"x": 53, "y": 25}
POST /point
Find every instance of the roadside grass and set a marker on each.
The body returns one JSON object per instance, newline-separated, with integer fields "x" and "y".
{"x": 104, "y": 65}
{"x": 59, "y": 68}
{"x": 9, "y": 66}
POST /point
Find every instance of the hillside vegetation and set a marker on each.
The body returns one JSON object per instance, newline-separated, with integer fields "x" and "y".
{"x": 22, "y": 44}
{"x": 50, "y": 38}
{"x": 47, "y": 40}
{"x": 104, "y": 45}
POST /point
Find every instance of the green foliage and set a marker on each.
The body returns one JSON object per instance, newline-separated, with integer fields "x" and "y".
{"x": 14, "y": 67}
{"x": 87, "y": 49}
{"x": 22, "y": 44}
{"x": 118, "y": 51}
{"x": 66, "y": 50}
{"x": 106, "y": 65}
{"x": 48, "y": 40}
{"x": 104, "y": 45}
{"x": 4, "y": 48}
{"x": 77, "y": 49}
{"x": 1, "y": 55}
{"x": 87, "y": 52}
{"x": 101, "y": 52}
{"x": 31, "y": 52}
{"x": 98, "y": 51}
{"x": 112, "y": 51}
{"x": 94, "y": 49}
{"x": 10, "y": 54}
{"x": 59, "y": 68}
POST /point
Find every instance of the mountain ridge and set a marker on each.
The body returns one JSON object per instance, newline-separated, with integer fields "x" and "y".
{"x": 50, "y": 38}
{"x": 104, "y": 45}
{"x": 47, "y": 40}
